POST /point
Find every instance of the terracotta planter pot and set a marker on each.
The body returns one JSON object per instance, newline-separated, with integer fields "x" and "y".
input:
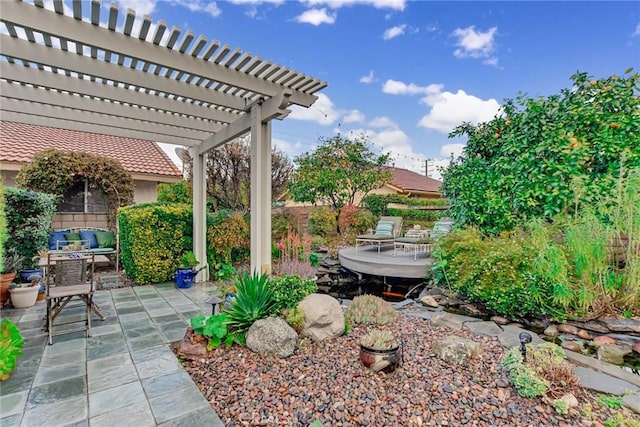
{"x": 381, "y": 360}
{"x": 5, "y": 281}
{"x": 24, "y": 297}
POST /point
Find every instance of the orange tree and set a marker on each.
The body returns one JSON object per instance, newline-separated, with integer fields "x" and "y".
{"x": 540, "y": 157}
{"x": 337, "y": 170}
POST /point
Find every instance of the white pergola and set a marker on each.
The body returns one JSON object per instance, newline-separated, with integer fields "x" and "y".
{"x": 83, "y": 70}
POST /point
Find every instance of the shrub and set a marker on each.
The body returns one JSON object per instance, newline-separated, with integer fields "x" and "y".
{"x": 214, "y": 328}
{"x": 322, "y": 221}
{"x": 370, "y": 309}
{"x": 586, "y": 132}
{"x": 178, "y": 192}
{"x": 253, "y": 301}
{"x": 152, "y": 238}
{"x": 544, "y": 373}
{"x": 346, "y": 217}
{"x": 28, "y": 216}
{"x": 11, "y": 344}
{"x": 295, "y": 318}
{"x": 288, "y": 291}
{"x": 363, "y": 220}
{"x": 497, "y": 272}
{"x": 228, "y": 239}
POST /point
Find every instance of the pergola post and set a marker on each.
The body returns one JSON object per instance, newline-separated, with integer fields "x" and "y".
{"x": 200, "y": 213}
{"x": 260, "y": 192}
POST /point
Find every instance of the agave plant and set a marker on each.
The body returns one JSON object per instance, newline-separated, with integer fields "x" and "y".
{"x": 253, "y": 301}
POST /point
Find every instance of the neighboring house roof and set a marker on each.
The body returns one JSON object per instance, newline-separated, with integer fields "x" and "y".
{"x": 409, "y": 182}
{"x": 19, "y": 143}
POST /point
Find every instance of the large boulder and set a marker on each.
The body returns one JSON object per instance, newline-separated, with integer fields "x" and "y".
{"x": 193, "y": 346}
{"x": 323, "y": 317}
{"x": 272, "y": 336}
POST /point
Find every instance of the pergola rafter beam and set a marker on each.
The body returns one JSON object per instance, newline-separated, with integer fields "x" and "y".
{"x": 85, "y": 65}
{"x": 59, "y": 123}
{"x": 185, "y": 125}
{"x": 160, "y": 133}
{"x": 59, "y": 25}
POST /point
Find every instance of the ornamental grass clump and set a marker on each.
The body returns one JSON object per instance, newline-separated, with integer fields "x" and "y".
{"x": 370, "y": 310}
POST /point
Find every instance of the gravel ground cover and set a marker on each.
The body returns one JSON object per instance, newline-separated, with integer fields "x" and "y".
{"x": 326, "y": 382}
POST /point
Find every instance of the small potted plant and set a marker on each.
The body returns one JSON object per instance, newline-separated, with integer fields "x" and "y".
{"x": 380, "y": 351}
{"x": 12, "y": 263}
{"x": 186, "y": 270}
{"x": 23, "y": 295}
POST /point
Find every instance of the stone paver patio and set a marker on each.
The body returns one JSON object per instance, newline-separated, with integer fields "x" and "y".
{"x": 125, "y": 374}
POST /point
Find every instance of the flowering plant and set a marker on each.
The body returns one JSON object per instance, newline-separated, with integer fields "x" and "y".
{"x": 293, "y": 255}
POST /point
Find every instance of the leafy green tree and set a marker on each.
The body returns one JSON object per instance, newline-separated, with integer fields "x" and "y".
{"x": 541, "y": 157}
{"x": 337, "y": 170}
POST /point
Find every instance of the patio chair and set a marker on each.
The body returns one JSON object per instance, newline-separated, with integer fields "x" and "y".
{"x": 442, "y": 227}
{"x": 414, "y": 240}
{"x": 387, "y": 230}
{"x": 69, "y": 276}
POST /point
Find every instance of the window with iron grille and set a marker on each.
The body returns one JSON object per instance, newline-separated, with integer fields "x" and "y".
{"x": 83, "y": 197}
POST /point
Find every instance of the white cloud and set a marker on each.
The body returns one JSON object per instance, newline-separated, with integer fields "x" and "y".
{"x": 476, "y": 44}
{"x": 395, "y": 87}
{"x": 322, "y": 111}
{"x": 378, "y": 4}
{"x": 291, "y": 149}
{"x": 431, "y": 28}
{"x": 449, "y": 110}
{"x": 383, "y": 122}
{"x": 142, "y": 7}
{"x": 354, "y": 116}
{"x": 369, "y": 78}
{"x": 448, "y": 150}
{"x": 256, "y": 2}
{"x": 316, "y": 17}
{"x": 393, "y": 32}
{"x": 209, "y": 7}
{"x": 636, "y": 33}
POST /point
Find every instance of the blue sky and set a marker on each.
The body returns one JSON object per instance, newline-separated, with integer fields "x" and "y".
{"x": 405, "y": 72}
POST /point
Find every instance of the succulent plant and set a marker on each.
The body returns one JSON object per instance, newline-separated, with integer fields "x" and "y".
{"x": 378, "y": 339}
{"x": 370, "y": 310}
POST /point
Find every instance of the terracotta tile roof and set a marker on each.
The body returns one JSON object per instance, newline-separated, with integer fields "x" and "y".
{"x": 19, "y": 142}
{"x": 409, "y": 181}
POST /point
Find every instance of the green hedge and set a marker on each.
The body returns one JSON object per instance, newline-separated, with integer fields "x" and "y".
{"x": 152, "y": 238}
{"x": 377, "y": 203}
{"x": 28, "y": 216}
